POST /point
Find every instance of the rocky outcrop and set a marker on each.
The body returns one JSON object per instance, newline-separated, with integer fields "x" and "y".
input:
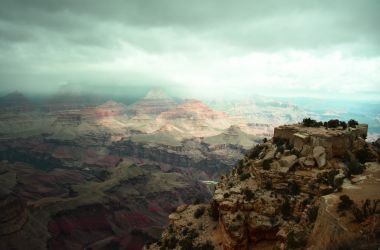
{"x": 336, "y": 142}
{"x": 154, "y": 103}
{"x": 284, "y": 194}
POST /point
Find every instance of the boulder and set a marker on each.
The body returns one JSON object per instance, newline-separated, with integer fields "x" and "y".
{"x": 287, "y": 162}
{"x": 174, "y": 216}
{"x": 181, "y": 208}
{"x": 319, "y": 154}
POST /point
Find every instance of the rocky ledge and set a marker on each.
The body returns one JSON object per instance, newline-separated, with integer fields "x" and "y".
{"x": 306, "y": 188}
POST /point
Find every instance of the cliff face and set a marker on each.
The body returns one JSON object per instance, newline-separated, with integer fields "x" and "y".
{"x": 287, "y": 194}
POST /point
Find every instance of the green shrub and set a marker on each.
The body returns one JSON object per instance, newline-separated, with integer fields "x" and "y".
{"x": 352, "y": 123}
{"x": 308, "y": 122}
{"x": 345, "y": 203}
{"x": 279, "y": 141}
{"x": 199, "y": 212}
{"x": 213, "y": 211}
{"x": 333, "y": 123}
{"x": 249, "y": 195}
{"x": 254, "y": 153}
{"x": 343, "y": 124}
{"x": 244, "y": 176}
{"x": 266, "y": 164}
{"x": 293, "y": 188}
{"x": 354, "y": 167}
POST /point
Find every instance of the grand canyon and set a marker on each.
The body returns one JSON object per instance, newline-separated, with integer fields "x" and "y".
{"x": 205, "y": 125}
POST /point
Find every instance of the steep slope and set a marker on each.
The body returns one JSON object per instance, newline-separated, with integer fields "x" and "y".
{"x": 307, "y": 188}
{"x": 72, "y": 209}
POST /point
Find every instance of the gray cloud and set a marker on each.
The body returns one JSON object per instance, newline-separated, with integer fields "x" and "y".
{"x": 47, "y": 42}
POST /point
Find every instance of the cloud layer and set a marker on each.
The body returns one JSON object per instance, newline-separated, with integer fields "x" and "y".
{"x": 305, "y": 48}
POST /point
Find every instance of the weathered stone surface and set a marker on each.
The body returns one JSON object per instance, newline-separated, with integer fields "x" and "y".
{"x": 287, "y": 162}
{"x": 181, "y": 208}
{"x": 174, "y": 216}
{"x": 319, "y": 154}
{"x": 277, "y": 208}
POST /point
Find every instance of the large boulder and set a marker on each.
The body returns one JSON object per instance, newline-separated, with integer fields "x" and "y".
{"x": 319, "y": 154}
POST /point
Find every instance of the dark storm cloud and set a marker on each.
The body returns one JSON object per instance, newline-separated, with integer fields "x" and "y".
{"x": 250, "y": 23}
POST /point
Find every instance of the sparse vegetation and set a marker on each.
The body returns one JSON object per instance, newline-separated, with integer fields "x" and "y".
{"x": 296, "y": 240}
{"x": 345, "y": 203}
{"x": 268, "y": 184}
{"x": 204, "y": 246}
{"x": 244, "y": 176}
{"x": 293, "y": 187}
{"x": 187, "y": 242}
{"x": 312, "y": 213}
{"x": 286, "y": 208}
{"x": 279, "y": 141}
{"x": 266, "y": 164}
{"x": 369, "y": 208}
{"x": 354, "y": 167}
{"x": 249, "y": 195}
{"x": 256, "y": 151}
{"x": 199, "y": 212}
{"x": 308, "y": 122}
{"x": 352, "y": 123}
{"x": 333, "y": 123}
{"x": 213, "y": 211}
{"x": 364, "y": 155}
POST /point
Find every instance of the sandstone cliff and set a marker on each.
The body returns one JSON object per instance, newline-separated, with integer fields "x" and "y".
{"x": 306, "y": 188}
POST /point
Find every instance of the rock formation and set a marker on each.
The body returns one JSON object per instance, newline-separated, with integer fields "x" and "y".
{"x": 307, "y": 188}
{"x": 154, "y": 103}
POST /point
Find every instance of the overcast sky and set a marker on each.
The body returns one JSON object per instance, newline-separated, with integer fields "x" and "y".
{"x": 210, "y": 48}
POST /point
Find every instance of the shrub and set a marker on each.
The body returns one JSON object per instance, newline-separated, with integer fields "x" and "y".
{"x": 265, "y": 140}
{"x": 249, "y": 195}
{"x": 352, "y": 123}
{"x": 343, "y": 124}
{"x": 333, "y": 123}
{"x": 268, "y": 184}
{"x": 363, "y": 155}
{"x": 255, "y": 151}
{"x": 312, "y": 213}
{"x": 354, "y": 167}
{"x": 308, "y": 122}
{"x": 345, "y": 203}
{"x": 294, "y": 188}
{"x": 199, "y": 212}
{"x": 296, "y": 240}
{"x": 244, "y": 176}
{"x": 280, "y": 149}
{"x": 170, "y": 243}
{"x": 279, "y": 141}
{"x": 368, "y": 208}
{"x": 286, "y": 208}
{"x": 266, "y": 164}
{"x": 213, "y": 211}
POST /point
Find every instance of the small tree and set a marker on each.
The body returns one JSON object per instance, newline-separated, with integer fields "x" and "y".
{"x": 333, "y": 123}
{"x": 352, "y": 123}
